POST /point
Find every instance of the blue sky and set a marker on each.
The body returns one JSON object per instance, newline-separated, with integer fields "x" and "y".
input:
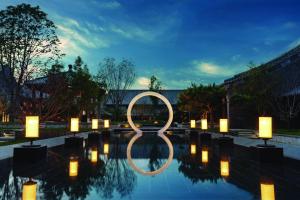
{"x": 179, "y": 41}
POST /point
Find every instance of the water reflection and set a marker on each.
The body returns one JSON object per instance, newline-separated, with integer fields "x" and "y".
{"x": 267, "y": 191}
{"x": 113, "y": 178}
{"x": 73, "y": 167}
{"x": 29, "y": 190}
{"x": 224, "y": 167}
{"x": 204, "y": 156}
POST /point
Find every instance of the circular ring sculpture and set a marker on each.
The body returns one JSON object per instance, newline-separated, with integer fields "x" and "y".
{"x": 140, "y": 133}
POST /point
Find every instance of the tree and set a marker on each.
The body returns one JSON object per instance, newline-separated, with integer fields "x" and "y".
{"x": 286, "y": 99}
{"x": 155, "y": 86}
{"x": 28, "y": 42}
{"x": 118, "y": 77}
{"x": 202, "y": 101}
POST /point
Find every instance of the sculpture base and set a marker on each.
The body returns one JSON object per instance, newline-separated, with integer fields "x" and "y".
{"x": 268, "y": 153}
{"x": 30, "y": 153}
{"x": 194, "y": 132}
{"x": 105, "y": 132}
{"x": 74, "y": 142}
{"x": 93, "y": 138}
{"x": 225, "y": 141}
{"x": 205, "y": 137}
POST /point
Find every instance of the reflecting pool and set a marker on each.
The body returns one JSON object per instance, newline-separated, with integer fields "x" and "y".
{"x": 199, "y": 170}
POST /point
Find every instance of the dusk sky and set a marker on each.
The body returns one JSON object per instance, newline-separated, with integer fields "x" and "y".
{"x": 179, "y": 41}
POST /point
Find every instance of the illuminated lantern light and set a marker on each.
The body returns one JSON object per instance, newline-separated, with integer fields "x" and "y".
{"x": 73, "y": 168}
{"x": 204, "y": 156}
{"x": 32, "y": 127}
{"x": 74, "y": 125}
{"x": 224, "y": 168}
{"x": 106, "y": 148}
{"x": 265, "y": 127}
{"x": 94, "y": 124}
{"x": 267, "y": 191}
{"x": 94, "y": 156}
{"x": 204, "y": 125}
{"x": 29, "y": 190}
{"x": 193, "y": 149}
{"x": 106, "y": 123}
{"x": 193, "y": 123}
{"x": 223, "y": 125}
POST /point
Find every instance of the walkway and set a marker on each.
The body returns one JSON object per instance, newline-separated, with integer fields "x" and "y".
{"x": 289, "y": 150}
{"x": 7, "y": 151}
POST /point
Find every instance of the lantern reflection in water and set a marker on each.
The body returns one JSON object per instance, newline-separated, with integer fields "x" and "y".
{"x": 204, "y": 156}
{"x": 267, "y": 191}
{"x": 106, "y": 148}
{"x": 73, "y": 167}
{"x": 193, "y": 149}
{"x": 94, "y": 156}
{"x": 224, "y": 168}
{"x": 29, "y": 190}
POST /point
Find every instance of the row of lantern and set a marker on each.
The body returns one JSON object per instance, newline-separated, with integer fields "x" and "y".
{"x": 265, "y": 126}
{"x": 5, "y": 117}
{"x": 32, "y": 126}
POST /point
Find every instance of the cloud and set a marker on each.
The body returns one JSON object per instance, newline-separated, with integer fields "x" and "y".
{"x": 111, "y": 5}
{"x": 211, "y": 69}
{"x": 142, "y": 82}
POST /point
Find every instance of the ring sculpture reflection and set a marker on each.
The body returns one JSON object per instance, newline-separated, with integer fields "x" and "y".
{"x": 139, "y": 133}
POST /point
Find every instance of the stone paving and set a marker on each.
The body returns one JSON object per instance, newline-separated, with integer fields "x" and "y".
{"x": 289, "y": 150}
{"x": 7, "y": 151}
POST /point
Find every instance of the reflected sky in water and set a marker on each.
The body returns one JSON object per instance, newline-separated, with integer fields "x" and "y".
{"x": 109, "y": 176}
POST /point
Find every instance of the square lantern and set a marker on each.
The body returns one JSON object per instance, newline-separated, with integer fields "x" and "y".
{"x": 267, "y": 191}
{"x": 29, "y": 190}
{"x": 224, "y": 168}
{"x": 204, "y": 125}
{"x": 94, "y": 124}
{"x": 223, "y": 126}
{"x": 193, "y": 149}
{"x": 204, "y": 156}
{"x": 193, "y": 123}
{"x": 74, "y": 125}
{"x": 32, "y": 127}
{"x": 106, "y": 148}
{"x": 73, "y": 168}
{"x": 106, "y": 124}
{"x": 265, "y": 127}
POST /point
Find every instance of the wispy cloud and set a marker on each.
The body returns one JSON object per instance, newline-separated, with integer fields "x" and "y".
{"x": 107, "y": 4}
{"x": 211, "y": 69}
{"x": 294, "y": 43}
{"x": 142, "y": 82}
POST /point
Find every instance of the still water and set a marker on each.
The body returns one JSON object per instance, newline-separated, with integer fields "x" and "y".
{"x": 199, "y": 170}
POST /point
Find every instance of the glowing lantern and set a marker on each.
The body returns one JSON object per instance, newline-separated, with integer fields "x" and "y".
{"x": 204, "y": 124}
{"x": 224, "y": 168}
{"x": 74, "y": 125}
{"x": 223, "y": 125}
{"x": 73, "y": 168}
{"x": 267, "y": 191}
{"x": 106, "y": 148}
{"x": 106, "y": 123}
{"x": 94, "y": 124}
{"x": 265, "y": 127}
{"x": 94, "y": 156}
{"x": 204, "y": 156}
{"x": 29, "y": 190}
{"x": 193, "y": 149}
{"x": 32, "y": 127}
{"x": 193, "y": 123}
